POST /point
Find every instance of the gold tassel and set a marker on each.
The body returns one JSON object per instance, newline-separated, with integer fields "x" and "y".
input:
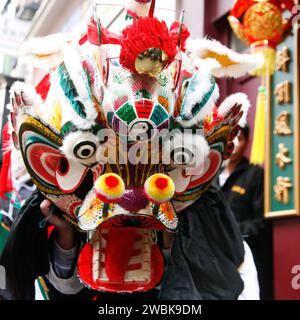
{"x": 269, "y": 54}
{"x": 258, "y": 146}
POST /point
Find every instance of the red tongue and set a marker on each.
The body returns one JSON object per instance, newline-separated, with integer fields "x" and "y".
{"x": 119, "y": 250}
{"x": 105, "y": 262}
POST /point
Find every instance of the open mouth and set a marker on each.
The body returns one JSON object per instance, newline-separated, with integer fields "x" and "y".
{"x": 121, "y": 260}
{"x": 122, "y": 254}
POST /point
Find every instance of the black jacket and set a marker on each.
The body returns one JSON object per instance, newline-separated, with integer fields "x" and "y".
{"x": 244, "y": 190}
{"x": 25, "y": 255}
{"x": 206, "y": 253}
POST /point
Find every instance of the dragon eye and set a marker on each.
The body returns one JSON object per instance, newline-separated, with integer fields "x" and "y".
{"x": 182, "y": 156}
{"x": 85, "y": 150}
{"x": 141, "y": 131}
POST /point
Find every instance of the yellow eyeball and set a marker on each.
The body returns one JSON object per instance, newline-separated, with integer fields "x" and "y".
{"x": 109, "y": 188}
{"x": 159, "y": 188}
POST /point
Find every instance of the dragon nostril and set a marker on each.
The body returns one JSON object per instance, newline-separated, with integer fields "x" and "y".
{"x": 63, "y": 166}
{"x": 133, "y": 200}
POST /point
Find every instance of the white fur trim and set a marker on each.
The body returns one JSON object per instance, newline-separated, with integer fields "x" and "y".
{"x": 73, "y": 139}
{"x": 36, "y": 108}
{"x": 73, "y": 65}
{"x": 244, "y": 62}
{"x": 237, "y": 98}
{"x": 46, "y": 51}
{"x": 48, "y": 45}
{"x": 67, "y": 111}
{"x": 200, "y": 90}
{"x": 206, "y": 64}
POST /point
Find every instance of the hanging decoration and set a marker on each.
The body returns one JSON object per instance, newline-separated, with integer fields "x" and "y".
{"x": 262, "y": 25}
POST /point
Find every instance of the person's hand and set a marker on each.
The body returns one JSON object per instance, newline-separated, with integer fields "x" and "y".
{"x": 53, "y": 219}
{"x": 65, "y": 233}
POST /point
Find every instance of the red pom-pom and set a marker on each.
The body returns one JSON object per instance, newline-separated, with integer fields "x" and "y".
{"x": 107, "y": 37}
{"x": 143, "y": 34}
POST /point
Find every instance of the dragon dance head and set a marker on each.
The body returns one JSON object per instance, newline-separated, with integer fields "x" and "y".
{"x": 122, "y": 135}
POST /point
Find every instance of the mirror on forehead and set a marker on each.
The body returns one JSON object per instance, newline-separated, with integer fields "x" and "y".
{"x": 113, "y": 13}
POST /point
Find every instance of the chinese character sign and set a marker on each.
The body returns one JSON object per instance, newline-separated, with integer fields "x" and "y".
{"x": 282, "y": 167}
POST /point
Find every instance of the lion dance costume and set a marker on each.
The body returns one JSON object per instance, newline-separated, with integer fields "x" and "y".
{"x": 140, "y": 88}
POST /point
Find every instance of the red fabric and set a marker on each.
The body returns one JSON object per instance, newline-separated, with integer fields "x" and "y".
{"x": 284, "y": 4}
{"x": 107, "y": 37}
{"x": 185, "y": 33}
{"x": 43, "y": 87}
{"x": 240, "y": 7}
{"x": 50, "y": 229}
{"x": 83, "y": 39}
{"x": 119, "y": 253}
{"x": 6, "y": 184}
{"x": 288, "y": 4}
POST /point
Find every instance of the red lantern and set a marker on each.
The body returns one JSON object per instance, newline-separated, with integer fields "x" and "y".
{"x": 261, "y": 24}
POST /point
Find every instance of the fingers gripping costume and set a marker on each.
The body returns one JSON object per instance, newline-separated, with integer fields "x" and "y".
{"x": 124, "y": 134}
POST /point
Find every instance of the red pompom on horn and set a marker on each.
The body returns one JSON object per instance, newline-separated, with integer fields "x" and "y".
{"x": 147, "y": 33}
